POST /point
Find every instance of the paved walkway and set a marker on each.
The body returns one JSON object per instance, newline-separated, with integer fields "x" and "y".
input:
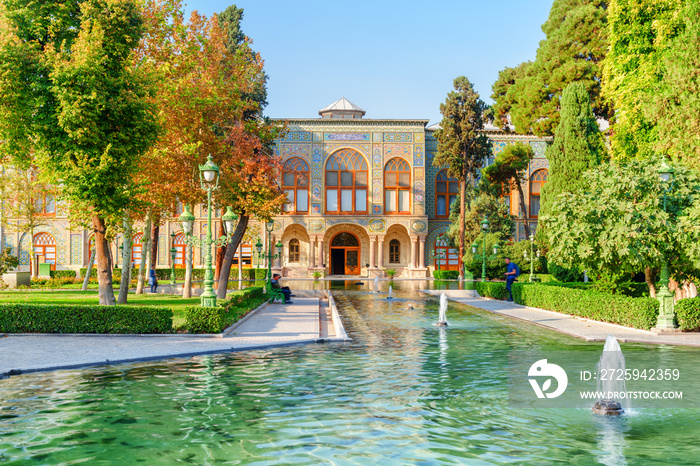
{"x": 274, "y": 325}
{"x": 589, "y": 330}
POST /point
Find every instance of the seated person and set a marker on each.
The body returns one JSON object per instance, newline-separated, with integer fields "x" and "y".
{"x": 283, "y": 289}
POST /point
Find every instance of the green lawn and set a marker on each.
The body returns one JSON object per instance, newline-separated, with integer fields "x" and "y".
{"x": 176, "y": 303}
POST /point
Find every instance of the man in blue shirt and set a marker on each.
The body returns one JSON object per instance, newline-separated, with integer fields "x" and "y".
{"x": 511, "y": 275}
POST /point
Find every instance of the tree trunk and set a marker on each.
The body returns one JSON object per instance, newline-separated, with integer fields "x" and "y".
{"x": 155, "y": 233}
{"x": 149, "y": 263}
{"x": 649, "y": 278}
{"x": 145, "y": 242}
{"x": 187, "y": 286}
{"x": 88, "y": 272}
{"x": 126, "y": 263}
{"x": 220, "y": 252}
{"x": 228, "y": 257}
{"x": 462, "y": 215}
{"x": 240, "y": 265}
{"x": 104, "y": 272}
{"x": 523, "y": 208}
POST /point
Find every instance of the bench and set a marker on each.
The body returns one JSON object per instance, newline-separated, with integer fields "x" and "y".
{"x": 273, "y": 293}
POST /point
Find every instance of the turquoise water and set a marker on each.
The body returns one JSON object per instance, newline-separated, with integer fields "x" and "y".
{"x": 404, "y": 392}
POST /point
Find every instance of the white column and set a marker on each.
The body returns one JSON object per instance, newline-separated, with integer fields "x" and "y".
{"x": 421, "y": 252}
{"x": 412, "y": 264}
{"x": 320, "y": 251}
{"x": 380, "y": 253}
{"x": 312, "y": 251}
{"x": 372, "y": 248}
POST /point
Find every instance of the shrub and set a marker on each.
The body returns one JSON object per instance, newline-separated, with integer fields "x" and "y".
{"x": 390, "y": 272}
{"x": 623, "y": 310}
{"x": 63, "y": 274}
{"x": 546, "y": 277}
{"x": 69, "y": 318}
{"x": 565, "y": 275}
{"x": 446, "y": 274}
{"x": 495, "y": 290}
{"x": 217, "y": 319}
{"x": 688, "y": 314}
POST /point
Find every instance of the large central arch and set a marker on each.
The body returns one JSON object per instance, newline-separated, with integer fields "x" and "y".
{"x": 345, "y": 254}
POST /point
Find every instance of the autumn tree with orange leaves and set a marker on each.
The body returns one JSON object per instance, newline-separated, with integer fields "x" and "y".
{"x": 204, "y": 94}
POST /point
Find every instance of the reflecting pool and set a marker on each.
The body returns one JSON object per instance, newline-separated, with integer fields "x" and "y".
{"x": 403, "y": 392}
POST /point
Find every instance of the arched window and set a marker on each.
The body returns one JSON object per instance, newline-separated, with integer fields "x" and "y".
{"x": 45, "y": 204}
{"x": 180, "y": 251}
{"x": 397, "y": 187}
{"x": 445, "y": 255}
{"x": 394, "y": 251}
{"x": 45, "y": 248}
{"x": 294, "y": 250}
{"x": 295, "y": 183}
{"x": 346, "y": 183}
{"x": 537, "y": 180}
{"x": 136, "y": 249}
{"x": 446, "y": 190}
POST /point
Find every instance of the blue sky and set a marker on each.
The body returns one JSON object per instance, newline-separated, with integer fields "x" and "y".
{"x": 395, "y": 59}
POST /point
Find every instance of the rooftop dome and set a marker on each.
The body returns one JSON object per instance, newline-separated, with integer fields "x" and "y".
{"x": 342, "y": 108}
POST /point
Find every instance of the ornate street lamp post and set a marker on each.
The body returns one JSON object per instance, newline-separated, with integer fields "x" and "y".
{"x": 533, "y": 278}
{"x": 172, "y": 258}
{"x": 667, "y": 315}
{"x": 209, "y": 181}
{"x": 268, "y": 255}
{"x": 483, "y": 257}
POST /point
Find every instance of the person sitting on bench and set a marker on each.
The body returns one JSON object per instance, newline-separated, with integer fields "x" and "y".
{"x": 282, "y": 289}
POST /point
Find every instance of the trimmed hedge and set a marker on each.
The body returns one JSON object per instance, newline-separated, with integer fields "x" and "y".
{"x": 446, "y": 274}
{"x": 216, "y": 319}
{"x": 197, "y": 273}
{"x": 70, "y": 318}
{"x": 617, "y": 309}
{"x": 688, "y": 314}
{"x": 63, "y": 274}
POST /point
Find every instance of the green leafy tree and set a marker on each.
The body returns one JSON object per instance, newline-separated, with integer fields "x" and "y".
{"x": 528, "y": 96}
{"x": 510, "y": 170}
{"x": 640, "y": 32}
{"x": 462, "y": 146}
{"x": 676, "y": 103}
{"x": 618, "y": 226}
{"x": 65, "y": 78}
{"x": 577, "y": 146}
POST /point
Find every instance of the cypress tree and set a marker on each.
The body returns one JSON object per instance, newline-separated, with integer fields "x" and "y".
{"x": 578, "y": 146}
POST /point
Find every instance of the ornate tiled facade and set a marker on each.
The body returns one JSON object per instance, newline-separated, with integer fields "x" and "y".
{"x": 403, "y": 241}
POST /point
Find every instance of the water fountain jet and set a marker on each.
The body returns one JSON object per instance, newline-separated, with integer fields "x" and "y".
{"x": 375, "y": 288}
{"x": 611, "y": 363}
{"x": 391, "y": 293}
{"x": 442, "y": 315}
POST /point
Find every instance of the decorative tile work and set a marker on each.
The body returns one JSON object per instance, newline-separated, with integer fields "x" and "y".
{"x": 418, "y": 173}
{"x": 376, "y": 173}
{"x": 377, "y": 191}
{"x": 315, "y": 208}
{"x": 418, "y": 191}
{"x": 431, "y": 144}
{"x": 62, "y": 245}
{"x": 316, "y": 191}
{"x": 539, "y": 148}
{"x": 377, "y": 226}
{"x": 316, "y": 173}
{"x": 299, "y": 150}
{"x": 346, "y": 137}
{"x": 76, "y": 249}
{"x": 357, "y": 221}
{"x": 430, "y": 174}
{"x": 429, "y": 156}
{"x": 317, "y": 158}
{"x": 377, "y": 156}
{"x": 418, "y": 137}
{"x": 364, "y": 149}
{"x": 316, "y": 225}
{"x": 435, "y": 229}
{"x": 376, "y": 137}
{"x": 318, "y": 136}
{"x": 398, "y": 137}
{"x": 536, "y": 164}
{"x": 397, "y": 150}
{"x": 376, "y": 209}
{"x": 276, "y": 226}
{"x": 161, "y": 249}
{"x": 7, "y": 244}
{"x": 419, "y": 226}
{"x": 297, "y": 136}
{"x": 418, "y": 155}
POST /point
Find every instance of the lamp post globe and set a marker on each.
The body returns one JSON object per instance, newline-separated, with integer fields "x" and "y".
{"x": 229, "y": 220}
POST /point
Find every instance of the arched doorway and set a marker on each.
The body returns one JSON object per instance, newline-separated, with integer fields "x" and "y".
{"x": 345, "y": 254}
{"x": 180, "y": 251}
{"x": 45, "y": 249}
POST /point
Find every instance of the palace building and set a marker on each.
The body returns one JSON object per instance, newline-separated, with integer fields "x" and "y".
{"x": 363, "y": 195}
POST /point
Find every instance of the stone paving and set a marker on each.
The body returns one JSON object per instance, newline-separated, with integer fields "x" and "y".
{"x": 273, "y": 325}
{"x": 589, "y": 330}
